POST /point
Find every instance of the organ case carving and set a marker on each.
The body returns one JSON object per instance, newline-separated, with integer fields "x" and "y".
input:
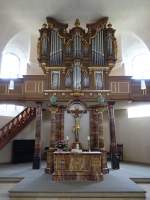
{"x": 77, "y": 59}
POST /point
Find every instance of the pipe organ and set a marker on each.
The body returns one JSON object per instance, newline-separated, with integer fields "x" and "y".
{"x": 56, "y": 49}
{"x": 77, "y": 61}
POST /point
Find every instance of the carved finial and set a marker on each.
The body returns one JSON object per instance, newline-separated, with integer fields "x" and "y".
{"x": 109, "y": 25}
{"x": 44, "y": 25}
{"x": 77, "y": 22}
{"x": 50, "y": 25}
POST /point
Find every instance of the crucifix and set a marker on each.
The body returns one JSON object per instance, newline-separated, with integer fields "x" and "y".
{"x": 76, "y": 113}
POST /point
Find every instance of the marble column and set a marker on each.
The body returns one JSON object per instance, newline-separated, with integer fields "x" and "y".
{"x": 113, "y": 143}
{"x": 53, "y": 129}
{"x": 97, "y": 134}
{"x": 94, "y": 140}
{"x": 61, "y": 123}
{"x": 37, "y": 148}
{"x": 101, "y": 139}
{"x": 59, "y": 135}
{"x": 100, "y": 129}
{"x": 96, "y": 126}
{"x": 53, "y": 138}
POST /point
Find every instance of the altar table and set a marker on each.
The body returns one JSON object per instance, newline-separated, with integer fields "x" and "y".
{"x": 80, "y": 166}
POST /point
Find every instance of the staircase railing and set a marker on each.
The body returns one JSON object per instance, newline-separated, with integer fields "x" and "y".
{"x": 18, "y": 123}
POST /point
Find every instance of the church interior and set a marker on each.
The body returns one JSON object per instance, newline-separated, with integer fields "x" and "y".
{"x": 74, "y": 100}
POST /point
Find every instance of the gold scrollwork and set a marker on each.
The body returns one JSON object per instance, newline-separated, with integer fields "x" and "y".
{"x": 77, "y": 94}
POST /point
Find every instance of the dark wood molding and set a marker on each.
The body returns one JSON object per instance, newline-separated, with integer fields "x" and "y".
{"x": 36, "y": 88}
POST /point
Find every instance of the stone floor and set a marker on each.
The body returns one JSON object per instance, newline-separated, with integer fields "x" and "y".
{"x": 11, "y": 174}
{"x": 4, "y": 188}
{"x": 146, "y": 187}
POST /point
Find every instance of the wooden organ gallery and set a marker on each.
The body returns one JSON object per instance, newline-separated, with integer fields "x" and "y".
{"x": 77, "y": 63}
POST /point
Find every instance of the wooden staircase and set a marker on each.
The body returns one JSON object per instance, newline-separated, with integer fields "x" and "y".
{"x": 18, "y": 123}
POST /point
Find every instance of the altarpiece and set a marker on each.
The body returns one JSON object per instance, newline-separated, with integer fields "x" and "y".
{"x": 77, "y": 63}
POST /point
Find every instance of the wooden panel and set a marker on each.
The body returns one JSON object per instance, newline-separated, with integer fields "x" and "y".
{"x": 136, "y": 90}
{"x": 113, "y": 87}
{"x": 119, "y": 87}
{"x": 18, "y": 90}
{"x": 3, "y": 89}
{"x": 30, "y": 87}
{"x": 39, "y": 87}
{"x": 123, "y": 87}
{"x": 137, "y": 93}
{"x": 34, "y": 86}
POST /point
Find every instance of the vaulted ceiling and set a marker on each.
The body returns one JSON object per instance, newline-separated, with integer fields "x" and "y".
{"x": 125, "y": 15}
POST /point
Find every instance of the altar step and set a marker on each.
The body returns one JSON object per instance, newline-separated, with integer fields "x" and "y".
{"x": 79, "y": 196}
{"x": 113, "y": 187}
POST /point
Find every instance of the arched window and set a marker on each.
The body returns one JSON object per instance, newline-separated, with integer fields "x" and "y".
{"x": 10, "y": 110}
{"x": 10, "y": 67}
{"x": 141, "y": 66}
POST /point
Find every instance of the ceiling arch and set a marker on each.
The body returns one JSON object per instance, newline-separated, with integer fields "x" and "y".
{"x": 126, "y": 16}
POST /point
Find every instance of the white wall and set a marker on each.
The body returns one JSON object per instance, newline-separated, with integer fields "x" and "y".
{"x": 4, "y": 120}
{"x": 132, "y": 133}
{"x": 33, "y": 67}
{"x": 5, "y": 153}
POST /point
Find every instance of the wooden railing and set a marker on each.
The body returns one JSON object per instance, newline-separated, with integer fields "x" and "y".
{"x": 33, "y": 88}
{"x": 30, "y": 87}
{"x": 120, "y": 87}
{"x": 126, "y": 88}
{"x": 12, "y": 128}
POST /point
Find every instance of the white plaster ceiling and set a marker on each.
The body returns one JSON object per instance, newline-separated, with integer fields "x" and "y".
{"x": 28, "y": 15}
{"x": 131, "y": 15}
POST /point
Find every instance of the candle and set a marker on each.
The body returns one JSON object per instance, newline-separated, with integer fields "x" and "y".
{"x": 89, "y": 143}
{"x": 67, "y": 138}
{"x": 77, "y": 146}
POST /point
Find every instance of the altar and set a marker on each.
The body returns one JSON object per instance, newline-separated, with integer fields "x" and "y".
{"x": 82, "y": 166}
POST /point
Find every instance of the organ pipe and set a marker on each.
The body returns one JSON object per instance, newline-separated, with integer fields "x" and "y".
{"x": 55, "y": 49}
{"x": 97, "y": 45}
{"x": 98, "y": 49}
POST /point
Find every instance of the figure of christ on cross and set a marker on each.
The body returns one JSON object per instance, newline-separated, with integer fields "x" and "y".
{"x": 76, "y": 113}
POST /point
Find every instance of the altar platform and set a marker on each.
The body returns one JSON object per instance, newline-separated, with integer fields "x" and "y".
{"x": 34, "y": 184}
{"x": 42, "y": 187}
{"x": 116, "y": 185}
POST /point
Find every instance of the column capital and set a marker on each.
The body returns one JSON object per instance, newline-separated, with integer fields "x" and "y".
{"x": 38, "y": 103}
{"x": 101, "y": 109}
{"x": 53, "y": 109}
{"x": 98, "y": 108}
{"x": 111, "y": 103}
